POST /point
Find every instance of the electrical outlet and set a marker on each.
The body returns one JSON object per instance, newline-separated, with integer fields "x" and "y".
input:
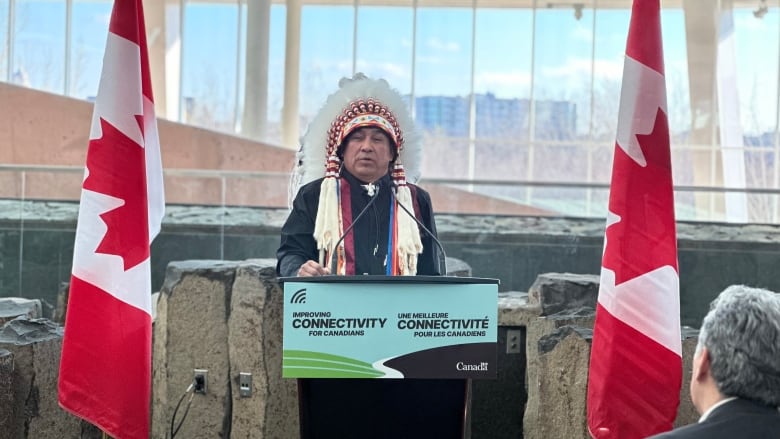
{"x": 201, "y": 380}
{"x": 245, "y": 384}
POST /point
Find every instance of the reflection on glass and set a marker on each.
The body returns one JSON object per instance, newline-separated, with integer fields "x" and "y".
{"x": 242, "y": 46}
{"x": 444, "y": 157}
{"x": 601, "y": 156}
{"x": 561, "y": 162}
{"x": 566, "y": 201}
{"x": 443, "y": 54}
{"x": 39, "y": 45}
{"x": 89, "y": 25}
{"x": 384, "y": 45}
{"x": 210, "y": 51}
{"x": 502, "y": 75}
{"x": 326, "y": 54}
{"x": 608, "y": 58}
{"x": 276, "y": 76}
{"x": 501, "y": 159}
{"x": 3, "y": 40}
{"x": 756, "y": 64}
{"x": 562, "y": 73}
{"x": 443, "y": 58}
{"x": 676, "y": 74}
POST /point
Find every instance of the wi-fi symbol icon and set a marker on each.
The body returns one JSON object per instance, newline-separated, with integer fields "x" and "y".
{"x": 299, "y": 296}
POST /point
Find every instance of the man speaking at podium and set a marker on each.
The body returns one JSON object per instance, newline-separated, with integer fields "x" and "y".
{"x": 360, "y": 150}
{"x": 352, "y": 215}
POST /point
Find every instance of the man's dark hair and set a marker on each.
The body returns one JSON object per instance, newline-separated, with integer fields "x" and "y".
{"x": 742, "y": 335}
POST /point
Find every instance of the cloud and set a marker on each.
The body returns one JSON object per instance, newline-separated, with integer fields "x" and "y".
{"x": 385, "y": 69}
{"x": 581, "y": 33}
{"x": 444, "y": 46}
{"x": 103, "y": 18}
{"x": 503, "y": 84}
{"x": 575, "y": 68}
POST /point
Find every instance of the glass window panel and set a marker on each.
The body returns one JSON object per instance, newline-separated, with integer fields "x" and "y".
{"x": 757, "y": 76}
{"x": 685, "y": 205}
{"x": 502, "y": 73}
{"x": 564, "y": 201}
{"x": 762, "y": 208}
{"x": 326, "y": 54}
{"x": 682, "y": 165}
{"x": 4, "y": 39}
{"x": 562, "y": 72}
{"x": 384, "y": 45}
{"x": 600, "y": 157}
{"x": 444, "y": 157}
{"x": 557, "y": 119}
{"x": 241, "y": 48}
{"x": 560, "y": 162}
{"x": 443, "y": 49}
{"x": 756, "y": 67}
{"x": 90, "y": 19}
{"x": 443, "y": 115}
{"x": 276, "y": 50}
{"x": 39, "y": 45}
{"x": 501, "y": 160}
{"x": 210, "y": 53}
{"x": 760, "y": 167}
{"x": 676, "y": 73}
{"x": 609, "y": 55}
{"x": 443, "y": 56}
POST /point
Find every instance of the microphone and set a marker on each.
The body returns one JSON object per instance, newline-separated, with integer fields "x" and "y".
{"x": 431, "y": 234}
{"x": 373, "y": 191}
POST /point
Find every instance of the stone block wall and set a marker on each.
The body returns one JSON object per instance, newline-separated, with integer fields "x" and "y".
{"x": 29, "y": 364}
{"x": 225, "y": 317}
{"x": 558, "y": 350}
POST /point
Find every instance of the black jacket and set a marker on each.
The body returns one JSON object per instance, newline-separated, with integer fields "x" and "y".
{"x": 370, "y": 231}
{"x": 737, "y": 419}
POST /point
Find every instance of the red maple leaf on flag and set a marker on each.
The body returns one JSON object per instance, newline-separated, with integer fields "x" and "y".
{"x": 128, "y": 234}
{"x": 644, "y": 237}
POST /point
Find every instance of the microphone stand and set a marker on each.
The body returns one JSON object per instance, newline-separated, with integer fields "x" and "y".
{"x": 349, "y": 229}
{"x": 419, "y": 223}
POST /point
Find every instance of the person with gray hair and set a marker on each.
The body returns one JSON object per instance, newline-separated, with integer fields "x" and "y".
{"x": 735, "y": 383}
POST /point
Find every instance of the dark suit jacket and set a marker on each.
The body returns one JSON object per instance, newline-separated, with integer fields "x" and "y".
{"x": 737, "y": 419}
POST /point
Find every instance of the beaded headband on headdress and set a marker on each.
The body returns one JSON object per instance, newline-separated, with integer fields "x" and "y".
{"x": 363, "y": 113}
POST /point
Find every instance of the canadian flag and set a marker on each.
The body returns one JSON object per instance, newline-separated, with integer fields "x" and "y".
{"x": 105, "y": 369}
{"x": 635, "y": 363}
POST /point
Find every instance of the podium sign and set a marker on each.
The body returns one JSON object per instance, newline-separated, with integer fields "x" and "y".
{"x": 390, "y": 327}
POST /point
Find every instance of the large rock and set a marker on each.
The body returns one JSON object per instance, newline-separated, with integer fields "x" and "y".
{"x": 191, "y": 333}
{"x": 555, "y": 292}
{"x": 255, "y": 346}
{"x": 225, "y": 317}
{"x": 515, "y": 310}
{"x": 13, "y": 307}
{"x": 536, "y": 331}
{"x": 33, "y": 412}
{"x": 562, "y": 382}
{"x": 6, "y": 389}
{"x": 687, "y": 413}
{"x": 457, "y": 267}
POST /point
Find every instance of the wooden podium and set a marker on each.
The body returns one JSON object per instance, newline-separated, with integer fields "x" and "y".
{"x": 388, "y": 357}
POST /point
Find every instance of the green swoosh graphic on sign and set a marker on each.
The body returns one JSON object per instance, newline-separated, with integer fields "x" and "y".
{"x": 311, "y": 364}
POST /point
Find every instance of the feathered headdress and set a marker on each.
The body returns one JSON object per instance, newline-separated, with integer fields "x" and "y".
{"x": 361, "y": 102}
